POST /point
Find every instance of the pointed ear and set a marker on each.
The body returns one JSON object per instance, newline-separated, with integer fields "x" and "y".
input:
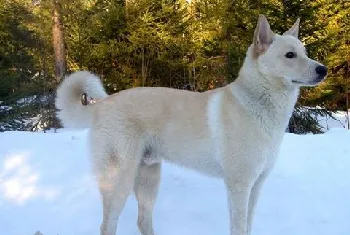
{"x": 294, "y": 31}
{"x": 263, "y": 36}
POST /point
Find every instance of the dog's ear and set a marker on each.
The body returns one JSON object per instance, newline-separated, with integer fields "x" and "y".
{"x": 263, "y": 36}
{"x": 294, "y": 31}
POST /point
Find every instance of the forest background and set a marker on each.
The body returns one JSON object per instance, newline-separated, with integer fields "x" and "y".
{"x": 196, "y": 45}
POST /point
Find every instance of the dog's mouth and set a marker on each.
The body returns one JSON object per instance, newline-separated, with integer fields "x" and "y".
{"x": 311, "y": 83}
{"x": 297, "y": 82}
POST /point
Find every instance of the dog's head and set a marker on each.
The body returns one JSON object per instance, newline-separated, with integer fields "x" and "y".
{"x": 284, "y": 56}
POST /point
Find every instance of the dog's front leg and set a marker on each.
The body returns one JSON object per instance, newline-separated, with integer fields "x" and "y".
{"x": 254, "y": 196}
{"x": 238, "y": 192}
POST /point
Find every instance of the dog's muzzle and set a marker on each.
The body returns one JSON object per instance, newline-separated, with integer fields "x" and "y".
{"x": 321, "y": 73}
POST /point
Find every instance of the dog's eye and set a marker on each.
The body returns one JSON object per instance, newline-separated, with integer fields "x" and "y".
{"x": 291, "y": 55}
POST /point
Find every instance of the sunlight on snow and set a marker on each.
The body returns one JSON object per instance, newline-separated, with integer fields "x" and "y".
{"x": 19, "y": 181}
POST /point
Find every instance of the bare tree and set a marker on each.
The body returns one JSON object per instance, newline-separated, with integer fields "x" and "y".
{"x": 58, "y": 41}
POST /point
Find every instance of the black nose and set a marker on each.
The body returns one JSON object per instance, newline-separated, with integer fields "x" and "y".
{"x": 321, "y": 70}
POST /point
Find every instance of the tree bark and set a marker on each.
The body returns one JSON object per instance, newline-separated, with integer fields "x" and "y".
{"x": 58, "y": 41}
{"x": 143, "y": 68}
{"x": 347, "y": 69}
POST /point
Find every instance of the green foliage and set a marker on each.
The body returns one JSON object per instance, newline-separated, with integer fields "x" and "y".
{"x": 304, "y": 120}
{"x": 198, "y": 44}
{"x": 17, "y": 43}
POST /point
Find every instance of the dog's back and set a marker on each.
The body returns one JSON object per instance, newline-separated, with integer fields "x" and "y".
{"x": 171, "y": 124}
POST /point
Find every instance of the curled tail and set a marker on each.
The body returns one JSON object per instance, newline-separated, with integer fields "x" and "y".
{"x": 73, "y": 111}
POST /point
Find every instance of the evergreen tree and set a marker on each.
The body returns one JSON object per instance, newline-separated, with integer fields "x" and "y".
{"x": 186, "y": 44}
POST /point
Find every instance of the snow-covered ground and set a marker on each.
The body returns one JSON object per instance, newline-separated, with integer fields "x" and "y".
{"x": 341, "y": 121}
{"x": 46, "y": 185}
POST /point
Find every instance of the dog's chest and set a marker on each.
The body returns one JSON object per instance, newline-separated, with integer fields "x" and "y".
{"x": 196, "y": 154}
{"x": 240, "y": 138}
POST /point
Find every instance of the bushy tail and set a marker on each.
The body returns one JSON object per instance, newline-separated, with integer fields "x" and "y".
{"x": 72, "y": 113}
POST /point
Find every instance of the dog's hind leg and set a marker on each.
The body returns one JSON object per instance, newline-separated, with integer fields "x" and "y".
{"x": 254, "y": 196}
{"x": 116, "y": 181}
{"x": 146, "y": 189}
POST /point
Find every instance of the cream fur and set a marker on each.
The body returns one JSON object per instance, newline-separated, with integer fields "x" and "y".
{"x": 72, "y": 113}
{"x": 233, "y": 132}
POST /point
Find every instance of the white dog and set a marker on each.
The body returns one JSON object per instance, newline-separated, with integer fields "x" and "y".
{"x": 233, "y": 132}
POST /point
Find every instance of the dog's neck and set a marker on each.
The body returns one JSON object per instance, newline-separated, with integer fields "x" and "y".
{"x": 270, "y": 100}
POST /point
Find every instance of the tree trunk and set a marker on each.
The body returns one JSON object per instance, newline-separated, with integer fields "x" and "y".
{"x": 58, "y": 41}
{"x": 143, "y": 68}
{"x": 347, "y": 107}
{"x": 347, "y": 68}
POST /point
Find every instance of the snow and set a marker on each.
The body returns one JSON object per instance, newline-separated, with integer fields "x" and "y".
{"x": 46, "y": 184}
{"x": 26, "y": 100}
{"x": 5, "y": 108}
{"x": 341, "y": 120}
